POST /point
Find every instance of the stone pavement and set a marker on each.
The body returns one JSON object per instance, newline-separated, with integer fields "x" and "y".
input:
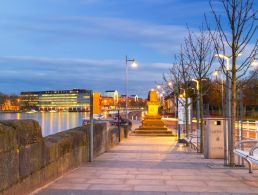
{"x": 153, "y": 166}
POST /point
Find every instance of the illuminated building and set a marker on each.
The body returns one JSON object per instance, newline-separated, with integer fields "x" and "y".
{"x": 8, "y": 106}
{"x": 107, "y": 103}
{"x": 114, "y": 94}
{"x": 135, "y": 97}
{"x": 97, "y": 103}
{"x": 72, "y": 100}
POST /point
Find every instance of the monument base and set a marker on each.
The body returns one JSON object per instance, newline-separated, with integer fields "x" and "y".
{"x": 152, "y": 126}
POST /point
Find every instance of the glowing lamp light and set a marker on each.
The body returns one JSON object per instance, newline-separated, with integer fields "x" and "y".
{"x": 170, "y": 84}
{"x": 254, "y": 63}
{"x": 134, "y": 64}
{"x": 215, "y": 73}
{"x": 158, "y": 86}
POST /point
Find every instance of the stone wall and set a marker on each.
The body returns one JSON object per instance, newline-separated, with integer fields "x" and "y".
{"x": 28, "y": 161}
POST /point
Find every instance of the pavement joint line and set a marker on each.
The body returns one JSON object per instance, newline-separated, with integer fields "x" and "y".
{"x": 55, "y": 180}
{"x": 165, "y": 170}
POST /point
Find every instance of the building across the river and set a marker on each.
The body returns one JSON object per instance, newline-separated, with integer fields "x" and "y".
{"x": 70, "y": 100}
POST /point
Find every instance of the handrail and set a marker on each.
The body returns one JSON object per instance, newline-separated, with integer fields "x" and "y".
{"x": 249, "y": 158}
{"x": 253, "y": 149}
{"x": 246, "y": 141}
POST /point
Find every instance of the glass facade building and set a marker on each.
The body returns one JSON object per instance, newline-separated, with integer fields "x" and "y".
{"x": 70, "y": 100}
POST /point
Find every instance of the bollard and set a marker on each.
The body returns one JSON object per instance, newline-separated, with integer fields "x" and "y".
{"x": 247, "y": 129}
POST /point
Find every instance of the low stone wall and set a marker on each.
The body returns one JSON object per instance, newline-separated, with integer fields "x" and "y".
{"x": 28, "y": 161}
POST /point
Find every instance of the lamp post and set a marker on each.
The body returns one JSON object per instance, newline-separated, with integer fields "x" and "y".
{"x": 216, "y": 73}
{"x": 198, "y": 110}
{"x": 133, "y": 65}
{"x": 198, "y": 114}
{"x": 170, "y": 86}
{"x": 254, "y": 63}
{"x": 227, "y": 131}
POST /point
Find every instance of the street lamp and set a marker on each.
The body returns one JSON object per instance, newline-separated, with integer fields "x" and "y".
{"x": 184, "y": 94}
{"x": 198, "y": 113}
{"x": 227, "y": 131}
{"x": 216, "y": 73}
{"x": 227, "y": 58}
{"x": 254, "y": 63}
{"x": 198, "y": 108}
{"x": 133, "y": 65}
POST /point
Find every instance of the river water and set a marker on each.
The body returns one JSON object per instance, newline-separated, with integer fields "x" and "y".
{"x": 51, "y": 123}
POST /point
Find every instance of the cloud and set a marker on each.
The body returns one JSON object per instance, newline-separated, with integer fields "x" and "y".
{"x": 60, "y": 61}
{"x": 162, "y": 38}
{"x": 23, "y": 73}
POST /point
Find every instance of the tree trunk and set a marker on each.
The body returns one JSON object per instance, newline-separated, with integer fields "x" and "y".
{"x": 201, "y": 118}
{"x": 233, "y": 111}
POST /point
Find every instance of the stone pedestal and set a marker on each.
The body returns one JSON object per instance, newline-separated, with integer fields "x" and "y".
{"x": 152, "y": 123}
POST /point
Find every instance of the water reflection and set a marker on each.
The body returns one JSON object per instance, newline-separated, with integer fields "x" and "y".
{"x": 50, "y": 122}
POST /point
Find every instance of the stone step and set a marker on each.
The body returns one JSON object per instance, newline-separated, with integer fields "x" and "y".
{"x": 150, "y": 131}
{"x": 152, "y": 128}
{"x": 164, "y": 133}
{"x": 156, "y": 123}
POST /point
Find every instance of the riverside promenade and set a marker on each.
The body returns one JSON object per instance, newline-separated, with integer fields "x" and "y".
{"x": 150, "y": 166}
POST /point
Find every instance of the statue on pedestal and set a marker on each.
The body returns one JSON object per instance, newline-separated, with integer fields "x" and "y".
{"x": 152, "y": 123}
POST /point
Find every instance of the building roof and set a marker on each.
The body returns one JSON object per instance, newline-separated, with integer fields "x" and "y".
{"x": 111, "y": 91}
{"x": 57, "y": 91}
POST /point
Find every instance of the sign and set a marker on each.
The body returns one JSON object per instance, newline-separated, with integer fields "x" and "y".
{"x": 181, "y": 111}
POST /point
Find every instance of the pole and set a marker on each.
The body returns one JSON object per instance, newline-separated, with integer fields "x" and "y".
{"x": 91, "y": 128}
{"x": 175, "y": 107}
{"x": 198, "y": 116}
{"x": 118, "y": 125}
{"x": 178, "y": 125}
{"x": 126, "y": 87}
{"x": 222, "y": 96}
{"x": 227, "y": 126}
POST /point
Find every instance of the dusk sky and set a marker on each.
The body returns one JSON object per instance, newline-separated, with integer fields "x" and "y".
{"x": 65, "y": 44}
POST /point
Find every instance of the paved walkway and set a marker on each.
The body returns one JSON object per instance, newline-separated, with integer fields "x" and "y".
{"x": 150, "y": 166}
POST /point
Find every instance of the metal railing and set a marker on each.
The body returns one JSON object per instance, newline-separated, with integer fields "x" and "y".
{"x": 247, "y": 130}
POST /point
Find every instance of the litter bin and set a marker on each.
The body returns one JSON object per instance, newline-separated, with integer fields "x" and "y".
{"x": 214, "y": 138}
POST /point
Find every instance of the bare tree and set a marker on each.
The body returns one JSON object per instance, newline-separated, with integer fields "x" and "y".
{"x": 180, "y": 74}
{"x": 199, "y": 51}
{"x": 237, "y": 33}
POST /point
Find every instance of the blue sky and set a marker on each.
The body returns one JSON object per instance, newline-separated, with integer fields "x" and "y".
{"x": 64, "y": 44}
